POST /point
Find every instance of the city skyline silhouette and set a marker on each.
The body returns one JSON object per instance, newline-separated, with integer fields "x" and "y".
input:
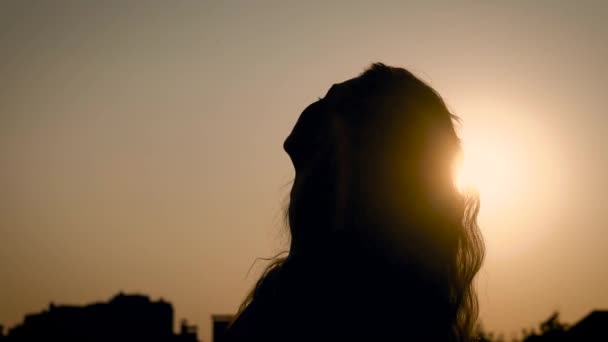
{"x": 125, "y": 317}
{"x": 132, "y": 317}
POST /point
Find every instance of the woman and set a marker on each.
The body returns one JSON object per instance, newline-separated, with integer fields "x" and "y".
{"x": 383, "y": 246}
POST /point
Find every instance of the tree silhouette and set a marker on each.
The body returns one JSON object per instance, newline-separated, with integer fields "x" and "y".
{"x": 482, "y": 335}
{"x": 550, "y": 330}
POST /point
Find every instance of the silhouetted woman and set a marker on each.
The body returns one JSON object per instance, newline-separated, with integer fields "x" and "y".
{"x": 383, "y": 245}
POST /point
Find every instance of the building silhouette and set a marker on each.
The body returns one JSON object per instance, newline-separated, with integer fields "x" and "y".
{"x": 593, "y": 327}
{"x": 123, "y": 318}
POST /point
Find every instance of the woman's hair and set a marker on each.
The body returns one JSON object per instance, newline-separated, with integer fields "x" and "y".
{"x": 381, "y": 239}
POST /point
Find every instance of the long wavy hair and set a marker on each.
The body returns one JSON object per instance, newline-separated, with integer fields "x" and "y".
{"x": 382, "y": 242}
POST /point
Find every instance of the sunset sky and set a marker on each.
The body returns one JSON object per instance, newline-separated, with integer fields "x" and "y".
{"x": 141, "y": 142}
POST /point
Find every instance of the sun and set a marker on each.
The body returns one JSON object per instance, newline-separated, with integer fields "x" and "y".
{"x": 517, "y": 168}
{"x": 489, "y": 166}
{"x": 462, "y": 177}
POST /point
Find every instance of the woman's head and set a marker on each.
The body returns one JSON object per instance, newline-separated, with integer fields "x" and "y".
{"x": 377, "y": 151}
{"x": 373, "y": 163}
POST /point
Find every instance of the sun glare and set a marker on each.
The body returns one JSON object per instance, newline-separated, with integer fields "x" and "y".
{"x": 489, "y": 168}
{"x": 461, "y": 176}
{"x": 515, "y": 167}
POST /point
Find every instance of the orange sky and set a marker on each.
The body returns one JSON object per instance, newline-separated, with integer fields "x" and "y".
{"x": 140, "y": 147}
